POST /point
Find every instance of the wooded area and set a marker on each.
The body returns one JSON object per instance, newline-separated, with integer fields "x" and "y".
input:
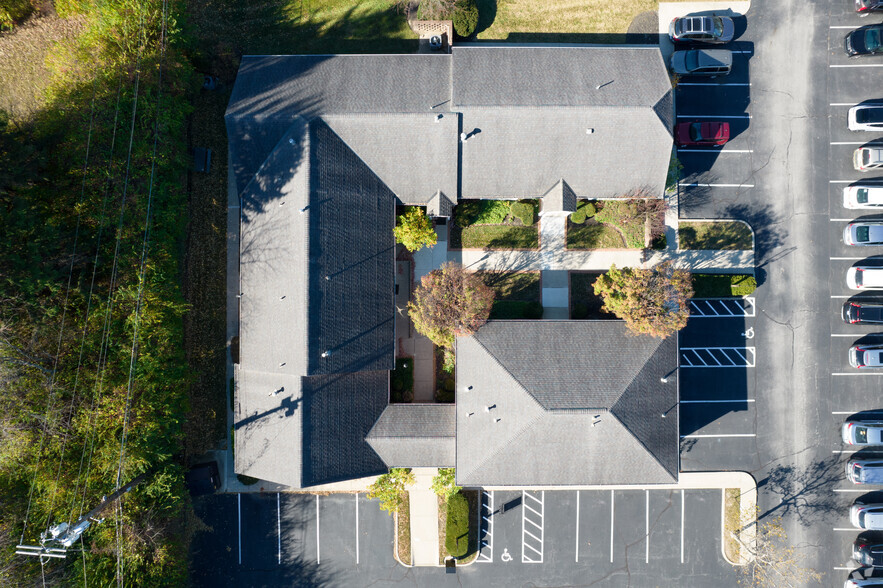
{"x": 93, "y": 376}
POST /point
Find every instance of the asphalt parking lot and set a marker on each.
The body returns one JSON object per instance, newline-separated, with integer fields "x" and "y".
{"x": 852, "y": 391}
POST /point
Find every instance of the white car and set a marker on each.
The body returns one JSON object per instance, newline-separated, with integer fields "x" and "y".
{"x": 865, "y": 356}
{"x": 864, "y": 278}
{"x": 867, "y": 158}
{"x": 866, "y": 516}
{"x": 864, "y": 583}
{"x": 865, "y": 117}
{"x": 863, "y": 196}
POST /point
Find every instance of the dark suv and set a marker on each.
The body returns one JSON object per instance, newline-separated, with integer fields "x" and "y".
{"x": 863, "y": 312}
{"x": 865, "y": 7}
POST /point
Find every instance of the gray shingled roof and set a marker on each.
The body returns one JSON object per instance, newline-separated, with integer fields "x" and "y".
{"x": 559, "y": 198}
{"x": 578, "y": 402}
{"x": 415, "y": 435}
{"x": 548, "y": 76}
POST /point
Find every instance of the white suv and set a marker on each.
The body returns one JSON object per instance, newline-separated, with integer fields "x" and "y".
{"x": 865, "y": 278}
{"x": 863, "y": 196}
{"x": 865, "y": 117}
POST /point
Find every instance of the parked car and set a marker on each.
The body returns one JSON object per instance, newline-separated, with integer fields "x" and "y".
{"x": 863, "y": 233}
{"x": 866, "y": 7}
{"x": 866, "y": 40}
{"x": 863, "y": 583}
{"x": 862, "y": 432}
{"x": 863, "y": 196}
{"x": 867, "y": 553}
{"x": 865, "y": 117}
{"x": 702, "y": 133}
{"x": 865, "y": 277}
{"x": 865, "y": 356}
{"x": 860, "y": 313}
{"x": 866, "y": 471}
{"x": 868, "y": 157}
{"x": 702, "y": 62}
{"x": 866, "y": 516}
{"x": 701, "y": 29}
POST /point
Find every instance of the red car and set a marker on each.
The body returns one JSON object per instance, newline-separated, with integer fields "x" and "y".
{"x": 702, "y": 133}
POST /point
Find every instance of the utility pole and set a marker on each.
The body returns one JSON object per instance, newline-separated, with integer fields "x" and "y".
{"x": 65, "y": 535}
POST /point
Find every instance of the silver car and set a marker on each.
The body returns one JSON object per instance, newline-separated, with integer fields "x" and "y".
{"x": 701, "y": 29}
{"x": 865, "y": 471}
{"x": 866, "y": 356}
{"x": 866, "y": 516}
{"x": 865, "y": 158}
{"x": 862, "y": 432}
{"x": 702, "y": 62}
{"x": 863, "y": 233}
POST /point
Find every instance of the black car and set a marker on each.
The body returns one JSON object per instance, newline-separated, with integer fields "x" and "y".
{"x": 867, "y": 553}
{"x": 866, "y": 40}
{"x": 863, "y": 312}
{"x": 865, "y": 7}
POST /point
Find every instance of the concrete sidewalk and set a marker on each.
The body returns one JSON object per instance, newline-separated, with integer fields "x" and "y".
{"x": 424, "y": 519}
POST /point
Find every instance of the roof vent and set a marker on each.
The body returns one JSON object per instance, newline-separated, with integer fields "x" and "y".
{"x": 326, "y": 353}
{"x": 438, "y": 117}
{"x": 590, "y": 131}
{"x": 464, "y": 137}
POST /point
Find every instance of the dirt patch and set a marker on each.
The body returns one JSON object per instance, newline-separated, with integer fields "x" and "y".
{"x": 24, "y": 76}
{"x": 732, "y": 523}
{"x": 403, "y": 529}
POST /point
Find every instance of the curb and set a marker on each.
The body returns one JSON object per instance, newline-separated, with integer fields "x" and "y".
{"x": 395, "y": 542}
{"x": 747, "y": 512}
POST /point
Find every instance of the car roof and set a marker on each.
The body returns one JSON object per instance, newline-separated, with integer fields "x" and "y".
{"x": 722, "y": 57}
{"x": 874, "y": 153}
{"x": 871, "y": 276}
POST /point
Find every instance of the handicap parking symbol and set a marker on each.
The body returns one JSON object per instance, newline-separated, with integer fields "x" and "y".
{"x": 506, "y": 557}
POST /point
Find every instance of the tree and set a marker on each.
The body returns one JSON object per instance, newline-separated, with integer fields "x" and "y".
{"x": 414, "y": 229}
{"x": 443, "y": 483}
{"x": 389, "y": 488}
{"x": 450, "y": 301}
{"x": 651, "y": 301}
{"x": 771, "y": 559}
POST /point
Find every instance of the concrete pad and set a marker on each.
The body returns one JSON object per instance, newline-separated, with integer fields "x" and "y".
{"x": 424, "y": 519}
{"x": 555, "y": 297}
{"x": 556, "y": 314}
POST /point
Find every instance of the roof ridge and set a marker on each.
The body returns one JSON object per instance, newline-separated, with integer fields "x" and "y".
{"x": 523, "y": 431}
{"x": 635, "y": 377}
{"x": 298, "y": 119}
{"x": 644, "y": 445}
{"x": 510, "y": 374}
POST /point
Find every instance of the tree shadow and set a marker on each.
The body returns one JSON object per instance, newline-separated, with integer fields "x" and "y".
{"x": 487, "y": 14}
{"x": 805, "y": 494}
{"x": 769, "y": 231}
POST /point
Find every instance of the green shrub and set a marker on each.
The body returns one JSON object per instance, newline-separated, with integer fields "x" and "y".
{"x": 742, "y": 285}
{"x": 492, "y": 212}
{"x": 578, "y": 217}
{"x": 450, "y": 384}
{"x": 246, "y": 480}
{"x": 525, "y": 211}
{"x": 465, "y": 17}
{"x": 457, "y": 529}
{"x": 533, "y": 310}
{"x": 589, "y": 209}
{"x": 13, "y": 12}
{"x": 443, "y": 396}
{"x": 579, "y": 311}
{"x": 449, "y": 361}
{"x": 723, "y": 285}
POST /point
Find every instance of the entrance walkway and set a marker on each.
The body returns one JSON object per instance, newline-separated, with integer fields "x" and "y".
{"x": 424, "y": 518}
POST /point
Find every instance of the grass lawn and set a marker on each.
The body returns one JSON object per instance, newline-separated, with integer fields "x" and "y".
{"x": 593, "y": 235}
{"x": 723, "y": 285}
{"x": 573, "y": 21}
{"x": 494, "y": 237}
{"x": 517, "y": 294}
{"x": 732, "y": 522}
{"x": 725, "y": 235}
{"x": 403, "y": 530}
{"x": 621, "y": 214}
{"x": 584, "y": 304}
{"x": 495, "y": 224}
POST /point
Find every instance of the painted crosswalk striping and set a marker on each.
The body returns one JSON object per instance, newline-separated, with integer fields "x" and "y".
{"x": 486, "y": 529}
{"x": 722, "y": 307}
{"x": 532, "y": 525}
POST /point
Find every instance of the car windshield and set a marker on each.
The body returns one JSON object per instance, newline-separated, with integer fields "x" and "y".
{"x": 718, "y": 26}
{"x": 861, "y": 196}
{"x": 869, "y": 115}
{"x": 859, "y": 277}
{"x": 861, "y": 434}
{"x": 866, "y": 156}
{"x": 863, "y": 234}
{"x": 872, "y": 40}
{"x": 692, "y": 60}
{"x": 696, "y": 132}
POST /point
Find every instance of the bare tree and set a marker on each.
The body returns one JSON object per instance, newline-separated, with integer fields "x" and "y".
{"x": 772, "y": 560}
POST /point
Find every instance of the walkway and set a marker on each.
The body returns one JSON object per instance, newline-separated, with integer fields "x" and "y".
{"x": 424, "y": 518}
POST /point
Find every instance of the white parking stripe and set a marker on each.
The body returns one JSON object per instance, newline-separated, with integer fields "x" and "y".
{"x": 576, "y": 556}
{"x": 487, "y": 510}
{"x": 844, "y": 26}
{"x": 611, "y": 526}
{"x": 851, "y": 530}
{"x": 839, "y": 220}
{"x": 841, "y": 181}
{"x": 279, "y": 531}
{"x": 735, "y": 400}
{"x": 835, "y": 296}
{"x": 857, "y": 373}
{"x": 848, "y": 142}
{"x": 357, "y": 527}
{"x": 239, "y": 523}
{"x": 721, "y": 435}
{"x": 853, "y": 335}
{"x": 716, "y": 185}
{"x": 857, "y": 65}
{"x": 841, "y": 104}
{"x": 715, "y": 116}
{"x": 713, "y": 84}
{"x": 317, "y": 530}
{"x": 713, "y": 150}
{"x": 537, "y": 512}
{"x": 646, "y": 526}
{"x": 847, "y": 258}
{"x": 856, "y": 490}
{"x": 682, "y": 525}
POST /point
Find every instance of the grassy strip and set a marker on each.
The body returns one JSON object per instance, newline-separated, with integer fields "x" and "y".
{"x": 495, "y": 237}
{"x": 517, "y": 294}
{"x": 723, "y": 285}
{"x": 403, "y": 532}
{"x": 593, "y": 235}
{"x": 584, "y": 303}
{"x": 732, "y": 522}
{"x": 624, "y": 215}
{"x": 718, "y": 235}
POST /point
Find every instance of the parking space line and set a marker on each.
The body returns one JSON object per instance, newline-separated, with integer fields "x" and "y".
{"x": 239, "y": 523}
{"x": 713, "y": 84}
{"x": 857, "y": 373}
{"x": 839, "y": 220}
{"x": 721, "y": 435}
{"x": 837, "y": 296}
{"x": 857, "y": 65}
{"x": 279, "y": 531}
{"x": 646, "y": 526}
{"x": 855, "y": 490}
{"x": 841, "y": 181}
{"x": 611, "y": 526}
{"x": 357, "y": 528}
{"x": 846, "y": 335}
{"x": 525, "y": 557}
{"x": 715, "y": 150}
{"x": 734, "y": 400}
{"x": 841, "y": 104}
{"x": 682, "y": 525}
{"x": 317, "y": 530}
{"x": 852, "y": 530}
{"x": 714, "y": 116}
{"x": 844, "y": 26}
{"x": 576, "y": 556}
{"x": 487, "y": 511}
{"x": 848, "y": 142}
{"x": 846, "y": 258}
{"x": 716, "y": 185}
